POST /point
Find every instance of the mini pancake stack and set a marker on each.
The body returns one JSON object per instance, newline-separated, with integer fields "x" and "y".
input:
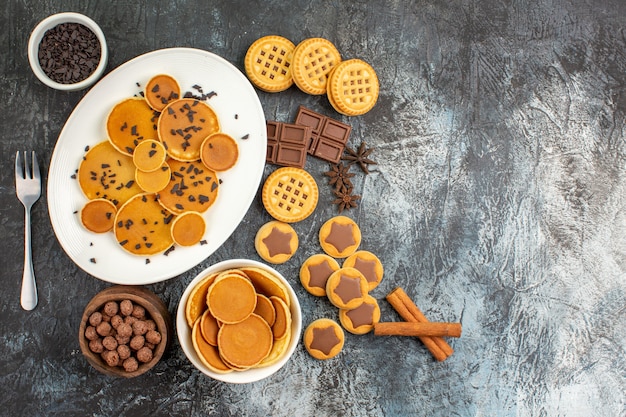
{"x": 239, "y": 319}
{"x": 157, "y": 172}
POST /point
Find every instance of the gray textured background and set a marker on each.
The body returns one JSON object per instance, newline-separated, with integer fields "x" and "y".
{"x": 498, "y": 201}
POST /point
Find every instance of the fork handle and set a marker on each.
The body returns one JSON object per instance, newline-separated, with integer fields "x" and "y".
{"x": 28, "y": 298}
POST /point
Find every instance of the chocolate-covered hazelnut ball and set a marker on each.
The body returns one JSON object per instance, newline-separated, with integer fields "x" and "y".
{"x": 109, "y": 343}
{"x": 126, "y": 307}
{"x": 151, "y": 324}
{"x": 130, "y": 364}
{"x": 130, "y": 320}
{"x": 95, "y": 318}
{"x": 122, "y": 340}
{"x": 139, "y": 312}
{"x": 111, "y": 357}
{"x": 106, "y": 317}
{"x": 111, "y": 308}
{"x": 125, "y": 330}
{"x": 96, "y": 346}
{"x": 140, "y": 327}
{"x": 153, "y": 337}
{"x": 144, "y": 354}
{"x": 123, "y": 351}
{"x": 116, "y": 320}
{"x": 90, "y": 333}
{"x": 137, "y": 342}
{"x": 104, "y": 329}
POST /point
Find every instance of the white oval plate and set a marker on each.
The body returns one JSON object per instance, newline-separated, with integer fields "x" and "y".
{"x": 250, "y": 375}
{"x": 240, "y": 114}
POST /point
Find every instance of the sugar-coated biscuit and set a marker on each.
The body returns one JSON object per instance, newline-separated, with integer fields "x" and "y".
{"x": 340, "y": 236}
{"x": 315, "y": 271}
{"x": 313, "y": 60}
{"x": 323, "y": 339}
{"x": 353, "y": 87}
{"x": 346, "y": 288}
{"x": 361, "y": 320}
{"x": 268, "y": 63}
{"x": 290, "y": 194}
{"x": 276, "y": 242}
{"x": 370, "y": 266}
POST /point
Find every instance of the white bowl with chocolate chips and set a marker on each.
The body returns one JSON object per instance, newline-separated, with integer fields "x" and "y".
{"x": 67, "y": 51}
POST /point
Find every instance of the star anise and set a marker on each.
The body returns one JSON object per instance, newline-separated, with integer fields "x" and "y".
{"x": 345, "y": 199}
{"x": 339, "y": 176}
{"x": 359, "y": 156}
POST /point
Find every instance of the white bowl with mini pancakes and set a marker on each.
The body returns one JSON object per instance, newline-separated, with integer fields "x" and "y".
{"x": 255, "y": 373}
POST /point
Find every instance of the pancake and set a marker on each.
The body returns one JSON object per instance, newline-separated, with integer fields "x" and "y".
{"x": 247, "y": 343}
{"x": 129, "y": 122}
{"x": 160, "y": 90}
{"x": 196, "y": 303}
{"x": 188, "y": 228}
{"x": 231, "y": 299}
{"x": 209, "y": 355}
{"x": 183, "y": 126}
{"x": 219, "y": 152}
{"x": 192, "y": 187}
{"x": 98, "y": 215}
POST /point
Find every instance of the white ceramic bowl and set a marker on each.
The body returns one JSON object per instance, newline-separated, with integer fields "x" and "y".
{"x": 250, "y": 375}
{"x": 52, "y": 21}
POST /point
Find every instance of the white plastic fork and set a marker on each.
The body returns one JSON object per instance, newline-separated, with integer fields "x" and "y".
{"x": 28, "y": 190}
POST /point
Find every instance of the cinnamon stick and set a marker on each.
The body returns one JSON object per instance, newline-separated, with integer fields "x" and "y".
{"x": 401, "y": 302}
{"x": 404, "y": 328}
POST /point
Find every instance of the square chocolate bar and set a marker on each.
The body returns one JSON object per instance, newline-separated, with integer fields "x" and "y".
{"x": 286, "y": 144}
{"x": 328, "y": 136}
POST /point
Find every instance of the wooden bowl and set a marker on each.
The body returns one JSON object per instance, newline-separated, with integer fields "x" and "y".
{"x": 155, "y": 309}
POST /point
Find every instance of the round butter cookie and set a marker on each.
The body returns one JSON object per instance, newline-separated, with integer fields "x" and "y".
{"x": 247, "y": 343}
{"x": 368, "y": 264}
{"x": 98, "y": 215}
{"x": 142, "y": 226}
{"x": 129, "y": 122}
{"x": 323, "y": 339}
{"x": 106, "y": 173}
{"x": 290, "y": 194}
{"x": 353, "y": 87}
{"x": 340, "y": 236}
{"x": 315, "y": 271}
{"x": 346, "y": 288}
{"x": 183, "y": 125}
{"x": 313, "y": 60}
{"x": 219, "y": 152}
{"x": 276, "y": 242}
{"x": 268, "y": 63}
{"x": 362, "y": 319}
{"x": 160, "y": 90}
{"x": 192, "y": 187}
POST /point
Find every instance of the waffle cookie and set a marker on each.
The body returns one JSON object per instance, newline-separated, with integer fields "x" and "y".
{"x": 346, "y": 288}
{"x": 268, "y": 63}
{"x": 362, "y": 319}
{"x": 313, "y": 60}
{"x": 353, "y": 87}
{"x": 315, "y": 271}
{"x": 368, "y": 264}
{"x": 290, "y": 194}
{"x": 323, "y": 339}
{"x": 276, "y": 242}
{"x": 340, "y": 236}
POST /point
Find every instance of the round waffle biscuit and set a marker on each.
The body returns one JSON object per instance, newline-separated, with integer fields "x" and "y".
{"x": 129, "y": 122}
{"x": 268, "y": 63}
{"x": 183, "y": 125}
{"x": 290, "y": 194}
{"x": 313, "y": 60}
{"x": 353, "y": 87}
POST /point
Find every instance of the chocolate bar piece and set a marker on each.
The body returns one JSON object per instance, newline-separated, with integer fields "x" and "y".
{"x": 328, "y": 136}
{"x": 286, "y": 144}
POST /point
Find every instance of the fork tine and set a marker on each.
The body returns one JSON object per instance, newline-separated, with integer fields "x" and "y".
{"x": 19, "y": 172}
{"x": 35, "y": 171}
